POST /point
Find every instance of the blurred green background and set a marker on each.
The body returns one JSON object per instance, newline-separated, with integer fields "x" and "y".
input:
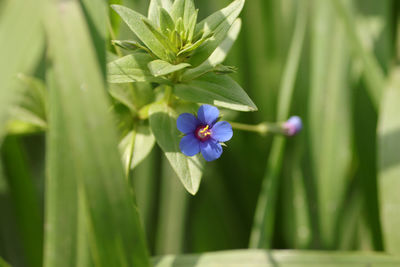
{"x": 335, "y": 185}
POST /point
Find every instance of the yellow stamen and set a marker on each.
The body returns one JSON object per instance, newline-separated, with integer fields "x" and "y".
{"x": 204, "y": 130}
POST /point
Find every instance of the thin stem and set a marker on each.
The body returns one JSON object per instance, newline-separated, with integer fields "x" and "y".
{"x": 261, "y": 128}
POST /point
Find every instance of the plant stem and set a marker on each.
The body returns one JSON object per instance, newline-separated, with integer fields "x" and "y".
{"x": 112, "y": 34}
{"x": 167, "y": 94}
{"x": 261, "y": 128}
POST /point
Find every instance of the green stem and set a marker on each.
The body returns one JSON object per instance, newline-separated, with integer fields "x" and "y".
{"x": 167, "y": 94}
{"x": 263, "y": 225}
{"x": 261, "y": 128}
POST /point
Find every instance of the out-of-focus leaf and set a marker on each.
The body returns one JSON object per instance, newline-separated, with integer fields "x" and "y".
{"x": 153, "y": 13}
{"x": 330, "y": 145}
{"x": 135, "y": 21}
{"x": 131, "y": 68}
{"x": 389, "y": 164}
{"x": 373, "y": 73}
{"x": 163, "y": 126}
{"x": 218, "y": 56}
{"x": 3, "y": 263}
{"x": 96, "y": 12}
{"x": 84, "y": 166}
{"x": 24, "y": 197}
{"x": 160, "y": 67}
{"x": 218, "y": 90}
{"x": 141, "y": 141}
{"x": 219, "y": 24}
{"x": 281, "y": 258}
{"x": 21, "y": 51}
{"x": 32, "y": 108}
{"x": 264, "y": 218}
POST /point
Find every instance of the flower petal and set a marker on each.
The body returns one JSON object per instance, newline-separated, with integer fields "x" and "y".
{"x": 189, "y": 145}
{"x": 208, "y": 114}
{"x": 187, "y": 123}
{"x": 222, "y": 131}
{"x": 211, "y": 150}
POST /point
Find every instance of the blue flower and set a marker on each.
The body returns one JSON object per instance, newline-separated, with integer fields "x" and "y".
{"x": 293, "y": 125}
{"x": 203, "y": 133}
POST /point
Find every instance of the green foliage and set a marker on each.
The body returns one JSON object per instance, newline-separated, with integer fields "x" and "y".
{"x": 90, "y": 92}
{"x": 186, "y": 52}
{"x": 163, "y": 126}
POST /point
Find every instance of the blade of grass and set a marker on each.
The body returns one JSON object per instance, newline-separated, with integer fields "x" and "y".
{"x": 84, "y": 165}
{"x": 389, "y": 164}
{"x": 20, "y": 49}
{"x": 24, "y": 197}
{"x": 281, "y": 258}
{"x": 261, "y": 234}
{"x": 373, "y": 73}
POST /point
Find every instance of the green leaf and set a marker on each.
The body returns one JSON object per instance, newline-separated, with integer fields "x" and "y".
{"x": 25, "y": 199}
{"x": 163, "y": 39}
{"x": 134, "y": 96}
{"x": 219, "y": 24}
{"x": 281, "y": 258}
{"x": 163, "y": 125}
{"x": 330, "y": 145}
{"x": 166, "y": 22}
{"x": 131, "y": 68}
{"x": 192, "y": 25}
{"x": 153, "y": 13}
{"x": 264, "y": 217}
{"x": 142, "y": 142}
{"x": 89, "y": 205}
{"x": 373, "y": 73}
{"x": 161, "y": 68}
{"x": 3, "y": 263}
{"x": 389, "y": 164}
{"x": 183, "y": 9}
{"x": 218, "y": 56}
{"x": 32, "y": 107}
{"x": 218, "y": 90}
{"x": 130, "y": 45}
{"x": 136, "y": 23}
{"x": 178, "y": 9}
{"x": 21, "y": 51}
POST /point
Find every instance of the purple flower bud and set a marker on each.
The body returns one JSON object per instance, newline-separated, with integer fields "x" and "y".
{"x": 293, "y": 125}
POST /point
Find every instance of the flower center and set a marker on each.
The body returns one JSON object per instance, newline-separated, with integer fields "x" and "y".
{"x": 203, "y": 133}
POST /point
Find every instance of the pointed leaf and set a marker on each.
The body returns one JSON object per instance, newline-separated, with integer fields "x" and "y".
{"x": 218, "y": 90}
{"x": 153, "y": 13}
{"x": 160, "y": 67}
{"x": 218, "y": 56}
{"x": 163, "y": 126}
{"x": 135, "y": 22}
{"x": 166, "y": 22}
{"x": 130, "y": 45}
{"x": 131, "y": 68}
{"x": 219, "y": 24}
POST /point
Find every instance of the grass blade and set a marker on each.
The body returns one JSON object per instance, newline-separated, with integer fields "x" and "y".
{"x": 389, "y": 164}
{"x": 20, "y": 49}
{"x": 84, "y": 165}
{"x": 263, "y": 225}
{"x": 281, "y": 258}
